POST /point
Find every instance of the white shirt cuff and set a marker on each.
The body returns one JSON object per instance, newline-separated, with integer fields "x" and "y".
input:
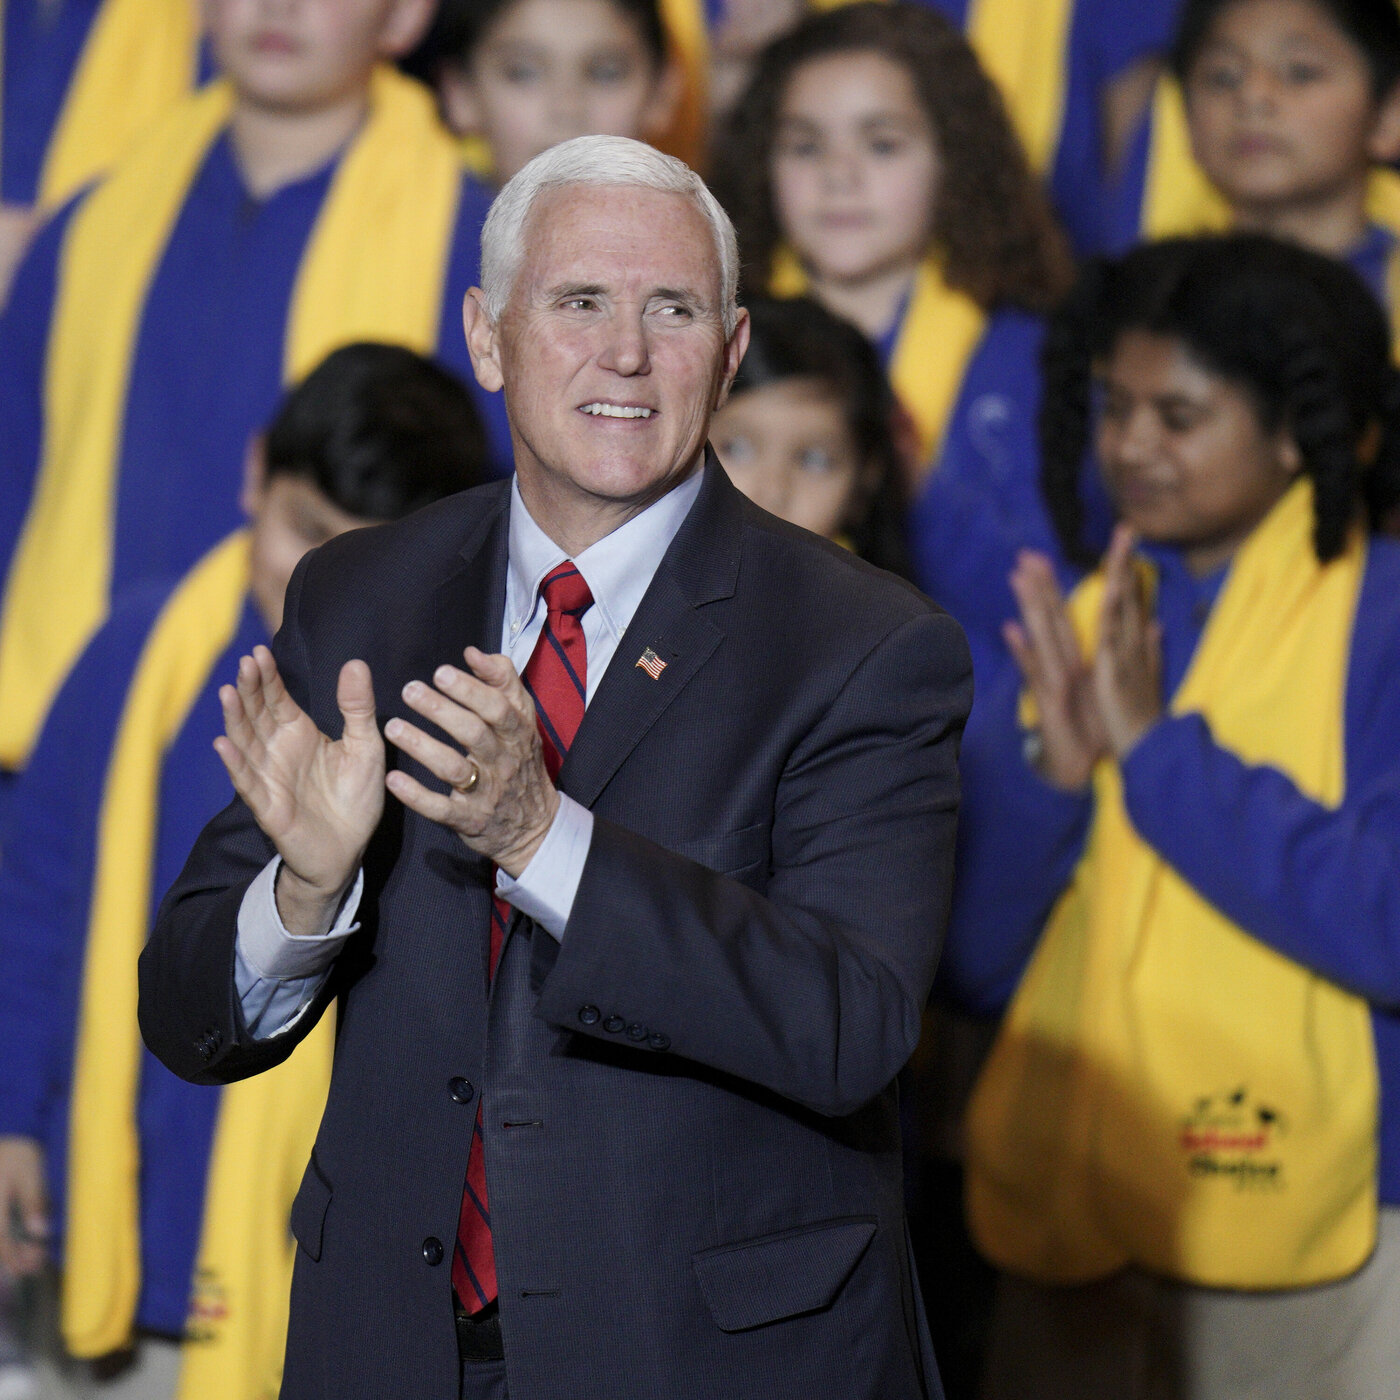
{"x": 269, "y": 950}
{"x": 547, "y": 886}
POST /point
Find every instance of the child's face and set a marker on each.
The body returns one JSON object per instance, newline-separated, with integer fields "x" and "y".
{"x": 1281, "y": 108}
{"x": 1183, "y": 452}
{"x": 786, "y": 446}
{"x": 288, "y": 516}
{"x": 550, "y": 70}
{"x": 855, "y": 167}
{"x": 300, "y": 55}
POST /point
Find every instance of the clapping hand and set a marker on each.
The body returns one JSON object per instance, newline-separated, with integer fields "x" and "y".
{"x": 1086, "y": 710}
{"x": 318, "y": 800}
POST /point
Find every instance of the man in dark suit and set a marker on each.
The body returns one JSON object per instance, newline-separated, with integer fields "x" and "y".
{"x": 642, "y": 935}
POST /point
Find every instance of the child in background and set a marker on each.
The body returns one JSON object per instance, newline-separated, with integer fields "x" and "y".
{"x": 1291, "y": 109}
{"x": 808, "y": 430}
{"x": 310, "y": 199}
{"x": 78, "y": 80}
{"x": 519, "y": 76}
{"x": 1183, "y": 872}
{"x": 871, "y": 165}
{"x": 169, "y": 1201}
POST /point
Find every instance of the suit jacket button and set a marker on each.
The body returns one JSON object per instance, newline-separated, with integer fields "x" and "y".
{"x": 461, "y": 1090}
{"x": 432, "y": 1250}
{"x": 589, "y": 1015}
{"x": 658, "y": 1040}
{"x": 637, "y": 1031}
{"x": 614, "y": 1024}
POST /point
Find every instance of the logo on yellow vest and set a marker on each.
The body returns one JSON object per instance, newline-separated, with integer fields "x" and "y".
{"x": 1235, "y": 1138}
{"x": 208, "y": 1307}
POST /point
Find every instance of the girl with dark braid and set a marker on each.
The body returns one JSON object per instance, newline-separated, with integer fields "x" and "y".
{"x": 1184, "y": 869}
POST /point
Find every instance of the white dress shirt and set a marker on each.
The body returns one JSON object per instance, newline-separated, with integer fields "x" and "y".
{"x": 277, "y": 973}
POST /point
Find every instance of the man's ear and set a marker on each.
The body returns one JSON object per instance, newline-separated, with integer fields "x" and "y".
{"x": 405, "y": 24}
{"x": 734, "y": 350}
{"x": 1290, "y": 458}
{"x": 664, "y": 101}
{"x": 483, "y": 344}
{"x": 457, "y": 94}
{"x": 1384, "y": 145}
{"x": 250, "y": 498}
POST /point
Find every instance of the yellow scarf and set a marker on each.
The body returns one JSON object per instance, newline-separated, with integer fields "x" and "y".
{"x": 265, "y": 1125}
{"x": 1022, "y": 44}
{"x": 139, "y": 57}
{"x": 373, "y": 269}
{"x": 1178, "y": 197}
{"x": 1166, "y": 1090}
{"x": 941, "y": 331}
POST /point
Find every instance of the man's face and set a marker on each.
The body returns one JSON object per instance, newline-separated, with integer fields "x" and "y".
{"x": 611, "y": 350}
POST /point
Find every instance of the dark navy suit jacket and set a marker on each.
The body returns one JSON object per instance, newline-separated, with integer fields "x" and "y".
{"x": 692, "y": 1145}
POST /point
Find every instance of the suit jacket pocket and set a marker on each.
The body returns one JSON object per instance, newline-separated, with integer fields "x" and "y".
{"x": 781, "y": 1275}
{"x": 308, "y": 1218}
{"x": 728, "y": 853}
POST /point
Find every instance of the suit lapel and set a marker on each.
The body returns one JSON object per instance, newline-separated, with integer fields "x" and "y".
{"x": 700, "y": 567}
{"x": 470, "y": 602}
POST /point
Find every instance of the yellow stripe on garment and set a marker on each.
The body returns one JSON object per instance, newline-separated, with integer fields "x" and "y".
{"x": 237, "y": 1332}
{"x": 1166, "y": 1090}
{"x": 374, "y": 268}
{"x": 140, "y": 58}
{"x": 102, "y": 1265}
{"x": 1023, "y": 45}
{"x": 941, "y": 331}
{"x": 688, "y": 134}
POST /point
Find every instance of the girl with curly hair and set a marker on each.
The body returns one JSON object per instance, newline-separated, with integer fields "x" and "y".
{"x": 871, "y": 164}
{"x": 1184, "y": 876}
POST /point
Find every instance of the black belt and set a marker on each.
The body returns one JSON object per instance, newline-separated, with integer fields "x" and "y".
{"x": 479, "y": 1335}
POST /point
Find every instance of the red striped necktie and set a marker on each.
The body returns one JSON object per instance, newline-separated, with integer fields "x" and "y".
{"x": 557, "y": 678}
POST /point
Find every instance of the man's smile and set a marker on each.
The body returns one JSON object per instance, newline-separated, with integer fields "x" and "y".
{"x": 602, "y": 409}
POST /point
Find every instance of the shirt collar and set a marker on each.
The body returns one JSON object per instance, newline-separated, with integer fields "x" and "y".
{"x": 618, "y": 568}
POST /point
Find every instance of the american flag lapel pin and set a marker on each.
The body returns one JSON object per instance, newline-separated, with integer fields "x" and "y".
{"x": 651, "y": 663}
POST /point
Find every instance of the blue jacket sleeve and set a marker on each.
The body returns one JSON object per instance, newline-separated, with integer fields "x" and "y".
{"x": 1018, "y": 842}
{"x": 1322, "y": 886}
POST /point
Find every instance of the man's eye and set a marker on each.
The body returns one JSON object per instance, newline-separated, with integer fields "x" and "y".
{"x": 736, "y": 450}
{"x": 579, "y": 304}
{"x": 672, "y": 311}
{"x": 799, "y": 148}
{"x": 886, "y": 145}
{"x": 1299, "y": 74}
{"x": 816, "y": 459}
{"x": 520, "y": 73}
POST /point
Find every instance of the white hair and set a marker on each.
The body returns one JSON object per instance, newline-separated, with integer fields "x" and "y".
{"x": 597, "y": 160}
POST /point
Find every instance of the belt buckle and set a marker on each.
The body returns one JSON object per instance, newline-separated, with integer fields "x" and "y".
{"x": 479, "y": 1335}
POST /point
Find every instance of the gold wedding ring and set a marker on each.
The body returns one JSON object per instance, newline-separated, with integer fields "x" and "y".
{"x": 472, "y": 780}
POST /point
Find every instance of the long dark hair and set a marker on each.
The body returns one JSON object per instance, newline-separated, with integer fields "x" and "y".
{"x": 1298, "y": 332}
{"x": 992, "y": 221}
{"x": 799, "y": 339}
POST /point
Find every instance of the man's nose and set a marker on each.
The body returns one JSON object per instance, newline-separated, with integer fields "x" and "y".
{"x": 625, "y": 348}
